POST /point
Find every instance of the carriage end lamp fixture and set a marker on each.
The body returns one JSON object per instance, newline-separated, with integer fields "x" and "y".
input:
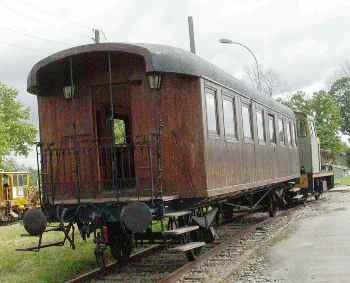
{"x": 69, "y": 92}
{"x": 154, "y": 80}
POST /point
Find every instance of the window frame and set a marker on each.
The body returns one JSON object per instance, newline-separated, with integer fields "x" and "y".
{"x": 281, "y": 142}
{"x": 295, "y": 135}
{"x": 232, "y": 100}
{"x": 272, "y": 141}
{"x": 125, "y": 137}
{"x": 262, "y": 111}
{"x": 212, "y": 133}
{"x": 305, "y": 132}
{"x": 289, "y": 140}
{"x": 249, "y": 107}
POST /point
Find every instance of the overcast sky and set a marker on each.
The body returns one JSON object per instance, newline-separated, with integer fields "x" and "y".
{"x": 303, "y": 41}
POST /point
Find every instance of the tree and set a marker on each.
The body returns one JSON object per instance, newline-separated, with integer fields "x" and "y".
{"x": 298, "y": 102}
{"x": 16, "y": 133}
{"x": 326, "y": 114}
{"x": 340, "y": 91}
{"x": 327, "y": 121}
{"x": 270, "y": 81}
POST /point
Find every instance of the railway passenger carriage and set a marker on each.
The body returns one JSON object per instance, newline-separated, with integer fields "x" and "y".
{"x": 215, "y": 134}
{"x": 131, "y": 132}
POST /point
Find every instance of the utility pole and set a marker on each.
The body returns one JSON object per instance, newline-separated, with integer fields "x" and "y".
{"x": 191, "y": 33}
{"x": 96, "y": 37}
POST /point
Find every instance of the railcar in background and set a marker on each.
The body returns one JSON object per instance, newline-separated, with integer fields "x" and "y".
{"x": 15, "y": 195}
{"x": 131, "y": 133}
{"x": 313, "y": 179}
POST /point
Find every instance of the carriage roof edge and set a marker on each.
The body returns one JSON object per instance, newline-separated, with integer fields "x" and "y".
{"x": 163, "y": 59}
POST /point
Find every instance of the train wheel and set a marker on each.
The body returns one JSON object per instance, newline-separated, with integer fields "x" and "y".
{"x": 273, "y": 208}
{"x": 317, "y": 196}
{"x": 193, "y": 254}
{"x": 207, "y": 235}
{"x": 100, "y": 256}
{"x": 121, "y": 248}
{"x": 227, "y": 214}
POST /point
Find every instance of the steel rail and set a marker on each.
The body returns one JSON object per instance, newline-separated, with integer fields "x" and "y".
{"x": 98, "y": 272}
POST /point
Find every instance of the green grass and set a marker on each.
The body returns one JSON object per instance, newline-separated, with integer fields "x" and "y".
{"x": 55, "y": 264}
{"x": 345, "y": 181}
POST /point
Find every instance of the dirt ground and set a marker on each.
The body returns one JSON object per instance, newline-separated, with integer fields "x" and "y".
{"x": 315, "y": 248}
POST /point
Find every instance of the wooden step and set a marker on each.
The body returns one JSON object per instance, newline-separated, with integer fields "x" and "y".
{"x": 298, "y": 197}
{"x": 295, "y": 189}
{"x": 177, "y": 214}
{"x": 181, "y": 231}
{"x": 188, "y": 247}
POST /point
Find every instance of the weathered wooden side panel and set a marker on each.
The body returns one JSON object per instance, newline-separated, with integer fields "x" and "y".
{"x": 183, "y": 147}
{"x": 242, "y": 164}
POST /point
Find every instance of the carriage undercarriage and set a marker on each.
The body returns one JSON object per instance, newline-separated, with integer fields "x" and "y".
{"x": 186, "y": 223}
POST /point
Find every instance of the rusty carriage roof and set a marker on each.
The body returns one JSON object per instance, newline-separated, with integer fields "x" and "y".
{"x": 164, "y": 59}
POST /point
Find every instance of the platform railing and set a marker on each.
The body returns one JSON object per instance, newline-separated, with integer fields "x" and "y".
{"x": 85, "y": 168}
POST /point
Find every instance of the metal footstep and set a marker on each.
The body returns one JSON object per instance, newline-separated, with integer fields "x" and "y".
{"x": 188, "y": 246}
{"x": 191, "y": 250}
{"x": 177, "y": 214}
{"x": 181, "y": 231}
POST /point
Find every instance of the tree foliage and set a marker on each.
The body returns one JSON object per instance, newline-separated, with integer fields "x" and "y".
{"x": 326, "y": 114}
{"x": 16, "y": 133}
{"x": 340, "y": 91}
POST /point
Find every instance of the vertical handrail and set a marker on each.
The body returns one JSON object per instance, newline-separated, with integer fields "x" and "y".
{"x": 150, "y": 160}
{"x": 53, "y": 191}
{"x": 38, "y": 144}
{"x": 77, "y": 162}
{"x": 114, "y": 173}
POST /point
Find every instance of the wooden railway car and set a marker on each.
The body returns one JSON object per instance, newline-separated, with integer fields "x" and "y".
{"x": 137, "y": 131}
{"x": 215, "y": 133}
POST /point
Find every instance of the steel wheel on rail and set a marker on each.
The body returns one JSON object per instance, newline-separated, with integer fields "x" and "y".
{"x": 273, "y": 207}
{"x": 121, "y": 247}
{"x": 193, "y": 254}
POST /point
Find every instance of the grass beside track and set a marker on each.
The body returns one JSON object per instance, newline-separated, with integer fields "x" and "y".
{"x": 55, "y": 264}
{"x": 345, "y": 181}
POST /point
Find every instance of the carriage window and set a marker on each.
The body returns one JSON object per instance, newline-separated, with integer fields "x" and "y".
{"x": 281, "y": 135}
{"x": 247, "y": 125}
{"x": 119, "y": 131}
{"x": 25, "y": 180}
{"x": 301, "y": 128}
{"x": 20, "y": 180}
{"x": 229, "y": 117}
{"x": 261, "y": 125}
{"x": 5, "y": 180}
{"x": 211, "y": 102}
{"x": 294, "y": 142}
{"x": 272, "y": 131}
{"x": 289, "y": 132}
{"x": 14, "y": 178}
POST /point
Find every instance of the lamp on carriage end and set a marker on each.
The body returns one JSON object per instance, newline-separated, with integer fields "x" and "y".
{"x": 154, "y": 80}
{"x": 69, "y": 92}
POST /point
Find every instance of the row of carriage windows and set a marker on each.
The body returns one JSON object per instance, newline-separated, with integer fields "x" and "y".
{"x": 285, "y": 128}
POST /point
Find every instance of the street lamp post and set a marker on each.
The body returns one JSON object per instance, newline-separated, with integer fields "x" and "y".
{"x": 229, "y": 41}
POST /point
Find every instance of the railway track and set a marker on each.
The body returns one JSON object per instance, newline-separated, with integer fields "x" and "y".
{"x": 237, "y": 241}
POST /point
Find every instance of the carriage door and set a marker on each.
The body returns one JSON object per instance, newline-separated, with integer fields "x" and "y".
{"x": 114, "y": 135}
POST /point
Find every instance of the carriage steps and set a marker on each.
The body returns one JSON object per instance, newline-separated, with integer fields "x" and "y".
{"x": 180, "y": 231}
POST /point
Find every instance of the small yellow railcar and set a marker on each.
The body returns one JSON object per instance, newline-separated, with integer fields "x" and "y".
{"x": 15, "y": 194}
